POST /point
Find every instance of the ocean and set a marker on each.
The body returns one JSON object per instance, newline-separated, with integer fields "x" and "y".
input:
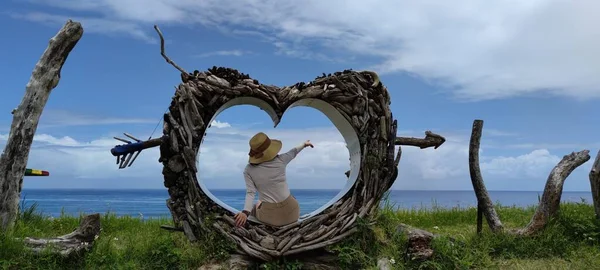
{"x": 152, "y": 203}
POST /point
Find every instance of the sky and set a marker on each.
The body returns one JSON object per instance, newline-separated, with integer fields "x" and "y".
{"x": 529, "y": 69}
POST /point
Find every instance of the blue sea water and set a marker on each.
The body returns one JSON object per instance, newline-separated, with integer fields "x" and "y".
{"x": 152, "y": 203}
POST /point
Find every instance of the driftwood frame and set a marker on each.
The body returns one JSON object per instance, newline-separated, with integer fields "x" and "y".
{"x": 356, "y": 97}
{"x": 357, "y": 104}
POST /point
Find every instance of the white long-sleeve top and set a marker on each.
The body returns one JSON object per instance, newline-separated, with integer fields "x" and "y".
{"x": 268, "y": 178}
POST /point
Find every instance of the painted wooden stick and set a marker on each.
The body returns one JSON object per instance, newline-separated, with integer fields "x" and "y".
{"x": 128, "y": 152}
{"x": 34, "y": 172}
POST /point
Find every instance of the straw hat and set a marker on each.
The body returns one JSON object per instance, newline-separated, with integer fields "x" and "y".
{"x": 262, "y": 148}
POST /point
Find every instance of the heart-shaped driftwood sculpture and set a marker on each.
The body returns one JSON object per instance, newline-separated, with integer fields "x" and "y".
{"x": 356, "y": 102}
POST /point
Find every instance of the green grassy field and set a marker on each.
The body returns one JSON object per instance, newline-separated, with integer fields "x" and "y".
{"x": 569, "y": 242}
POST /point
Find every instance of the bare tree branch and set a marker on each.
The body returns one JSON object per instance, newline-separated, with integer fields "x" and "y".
{"x": 550, "y": 202}
{"x": 431, "y": 140}
{"x": 162, "y": 51}
{"x": 483, "y": 198}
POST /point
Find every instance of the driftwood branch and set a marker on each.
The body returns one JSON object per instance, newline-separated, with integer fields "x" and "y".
{"x": 162, "y": 51}
{"x": 595, "y": 184}
{"x": 550, "y": 202}
{"x": 431, "y": 140}
{"x": 44, "y": 78}
{"x": 69, "y": 244}
{"x": 483, "y": 197}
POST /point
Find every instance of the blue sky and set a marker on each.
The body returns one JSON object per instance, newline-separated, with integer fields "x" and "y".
{"x": 518, "y": 66}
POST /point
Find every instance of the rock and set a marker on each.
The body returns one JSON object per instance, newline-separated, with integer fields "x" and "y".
{"x": 211, "y": 266}
{"x": 384, "y": 264}
{"x": 239, "y": 262}
{"x": 419, "y": 242}
{"x": 235, "y": 262}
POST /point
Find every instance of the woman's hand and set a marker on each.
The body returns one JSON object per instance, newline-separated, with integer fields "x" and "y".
{"x": 308, "y": 143}
{"x": 240, "y": 219}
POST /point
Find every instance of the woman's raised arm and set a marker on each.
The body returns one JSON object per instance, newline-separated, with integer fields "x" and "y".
{"x": 291, "y": 154}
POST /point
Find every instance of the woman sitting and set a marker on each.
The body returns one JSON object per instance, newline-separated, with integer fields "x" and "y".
{"x": 265, "y": 173}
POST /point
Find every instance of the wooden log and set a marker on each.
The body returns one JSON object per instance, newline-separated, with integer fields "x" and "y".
{"x": 550, "y": 202}
{"x": 43, "y": 80}
{"x": 81, "y": 239}
{"x": 431, "y": 140}
{"x": 476, "y": 179}
{"x": 595, "y": 184}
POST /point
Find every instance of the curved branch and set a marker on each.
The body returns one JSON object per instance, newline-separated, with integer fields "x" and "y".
{"x": 550, "y": 202}
{"x": 483, "y": 197}
{"x": 162, "y": 51}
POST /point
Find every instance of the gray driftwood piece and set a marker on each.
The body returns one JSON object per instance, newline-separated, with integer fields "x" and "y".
{"x": 69, "y": 244}
{"x": 595, "y": 184}
{"x": 44, "y": 78}
{"x": 550, "y": 202}
{"x": 483, "y": 197}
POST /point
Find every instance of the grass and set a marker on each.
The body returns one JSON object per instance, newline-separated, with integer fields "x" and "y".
{"x": 571, "y": 241}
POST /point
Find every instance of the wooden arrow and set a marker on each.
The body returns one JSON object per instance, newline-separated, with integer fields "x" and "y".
{"x": 431, "y": 140}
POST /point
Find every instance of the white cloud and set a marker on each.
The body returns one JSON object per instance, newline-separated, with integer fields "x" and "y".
{"x": 535, "y": 164}
{"x": 223, "y": 53}
{"x": 221, "y": 160}
{"x": 60, "y": 118}
{"x": 218, "y": 124}
{"x": 224, "y": 155}
{"x": 92, "y": 25}
{"x": 480, "y": 50}
{"x": 499, "y": 133}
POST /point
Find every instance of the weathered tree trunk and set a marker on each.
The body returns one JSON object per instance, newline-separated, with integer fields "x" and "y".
{"x": 69, "y": 244}
{"x": 483, "y": 198}
{"x": 550, "y": 202}
{"x": 595, "y": 184}
{"x": 44, "y": 78}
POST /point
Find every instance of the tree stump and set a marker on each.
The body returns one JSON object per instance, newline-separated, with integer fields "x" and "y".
{"x": 356, "y": 102}
{"x": 69, "y": 244}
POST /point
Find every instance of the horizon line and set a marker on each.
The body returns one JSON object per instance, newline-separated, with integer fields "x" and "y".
{"x": 300, "y": 189}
